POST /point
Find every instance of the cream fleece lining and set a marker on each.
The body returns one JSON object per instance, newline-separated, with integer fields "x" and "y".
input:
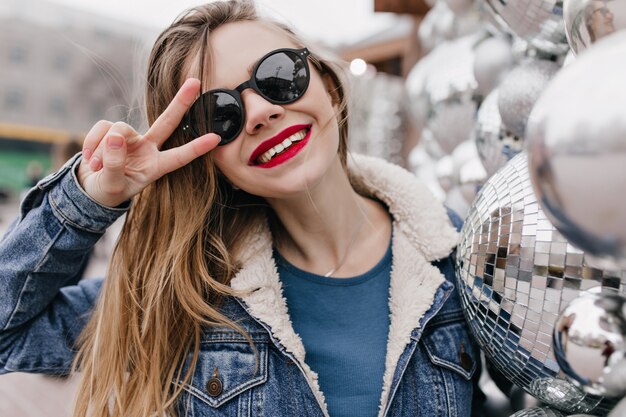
{"x": 422, "y": 233}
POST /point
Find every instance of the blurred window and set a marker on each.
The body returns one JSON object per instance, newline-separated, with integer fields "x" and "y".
{"x": 102, "y": 34}
{"x": 58, "y": 106}
{"x": 14, "y": 100}
{"x": 98, "y": 110}
{"x": 18, "y": 54}
{"x": 61, "y": 62}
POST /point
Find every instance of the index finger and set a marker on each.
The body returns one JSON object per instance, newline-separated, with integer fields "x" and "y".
{"x": 168, "y": 121}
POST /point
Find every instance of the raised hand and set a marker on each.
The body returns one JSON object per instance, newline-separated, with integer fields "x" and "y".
{"x": 118, "y": 162}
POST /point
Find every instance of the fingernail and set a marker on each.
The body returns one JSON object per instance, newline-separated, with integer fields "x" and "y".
{"x": 87, "y": 154}
{"x": 94, "y": 164}
{"x": 115, "y": 141}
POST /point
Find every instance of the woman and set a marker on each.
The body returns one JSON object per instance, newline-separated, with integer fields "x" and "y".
{"x": 219, "y": 241}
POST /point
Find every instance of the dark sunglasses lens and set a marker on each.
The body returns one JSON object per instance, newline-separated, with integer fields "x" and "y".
{"x": 282, "y": 77}
{"x": 217, "y": 112}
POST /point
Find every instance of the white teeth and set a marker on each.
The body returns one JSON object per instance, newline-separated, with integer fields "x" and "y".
{"x": 268, "y": 155}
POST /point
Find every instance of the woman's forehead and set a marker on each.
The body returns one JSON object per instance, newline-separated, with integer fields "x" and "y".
{"x": 236, "y": 47}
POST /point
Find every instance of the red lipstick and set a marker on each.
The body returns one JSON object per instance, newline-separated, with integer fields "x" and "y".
{"x": 275, "y": 140}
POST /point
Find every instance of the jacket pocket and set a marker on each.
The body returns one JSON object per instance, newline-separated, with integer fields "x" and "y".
{"x": 227, "y": 367}
{"x": 450, "y": 346}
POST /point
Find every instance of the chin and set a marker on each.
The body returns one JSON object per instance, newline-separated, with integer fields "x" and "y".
{"x": 299, "y": 180}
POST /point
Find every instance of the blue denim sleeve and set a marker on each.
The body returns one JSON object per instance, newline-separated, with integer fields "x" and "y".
{"x": 43, "y": 249}
{"x": 456, "y": 220}
{"x": 478, "y": 396}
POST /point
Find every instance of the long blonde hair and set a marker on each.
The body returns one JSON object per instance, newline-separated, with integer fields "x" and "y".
{"x": 177, "y": 251}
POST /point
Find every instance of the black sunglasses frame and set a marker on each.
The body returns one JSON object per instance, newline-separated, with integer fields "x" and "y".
{"x": 302, "y": 53}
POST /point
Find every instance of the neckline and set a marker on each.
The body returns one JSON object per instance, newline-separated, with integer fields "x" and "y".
{"x": 334, "y": 281}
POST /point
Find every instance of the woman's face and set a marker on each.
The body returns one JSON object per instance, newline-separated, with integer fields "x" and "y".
{"x": 236, "y": 48}
{"x": 601, "y": 20}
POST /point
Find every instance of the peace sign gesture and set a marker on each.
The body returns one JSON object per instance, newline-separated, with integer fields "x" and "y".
{"x": 119, "y": 162}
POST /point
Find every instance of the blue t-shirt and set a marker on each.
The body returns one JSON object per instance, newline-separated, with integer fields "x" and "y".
{"x": 343, "y": 323}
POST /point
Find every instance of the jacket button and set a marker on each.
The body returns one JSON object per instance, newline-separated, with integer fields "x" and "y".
{"x": 214, "y": 386}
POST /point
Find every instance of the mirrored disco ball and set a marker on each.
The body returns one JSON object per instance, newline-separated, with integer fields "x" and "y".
{"x": 520, "y": 90}
{"x": 443, "y": 23}
{"x": 515, "y": 273}
{"x": 590, "y": 339}
{"x": 493, "y": 60}
{"x": 496, "y": 146}
{"x": 538, "y": 412}
{"x": 587, "y": 21}
{"x": 419, "y": 101}
{"x": 469, "y": 21}
{"x": 450, "y": 86}
{"x": 577, "y": 150}
{"x": 452, "y": 120}
{"x": 459, "y": 6}
{"x": 540, "y": 22}
{"x": 436, "y": 27}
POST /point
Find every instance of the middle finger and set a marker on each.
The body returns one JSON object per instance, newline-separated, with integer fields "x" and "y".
{"x": 168, "y": 121}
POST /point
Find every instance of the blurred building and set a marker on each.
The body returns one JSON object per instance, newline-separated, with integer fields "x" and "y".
{"x": 395, "y": 49}
{"x": 62, "y": 70}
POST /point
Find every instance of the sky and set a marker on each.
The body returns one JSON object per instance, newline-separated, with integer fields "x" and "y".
{"x": 332, "y": 21}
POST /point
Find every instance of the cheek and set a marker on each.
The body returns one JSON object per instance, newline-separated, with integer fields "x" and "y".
{"x": 227, "y": 160}
{"x": 327, "y": 111}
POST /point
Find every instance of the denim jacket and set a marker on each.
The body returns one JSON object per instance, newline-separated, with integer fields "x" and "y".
{"x": 431, "y": 366}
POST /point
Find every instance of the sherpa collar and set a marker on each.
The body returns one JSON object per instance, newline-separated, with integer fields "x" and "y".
{"x": 422, "y": 233}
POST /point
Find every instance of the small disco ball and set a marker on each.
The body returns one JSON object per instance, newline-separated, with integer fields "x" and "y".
{"x": 520, "y": 90}
{"x": 590, "y": 339}
{"x": 493, "y": 60}
{"x": 540, "y": 22}
{"x": 459, "y": 6}
{"x": 515, "y": 273}
{"x": 587, "y": 21}
{"x": 436, "y": 27}
{"x": 441, "y": 89}
{"x": 450, "y": 86}
{"x": 496, "y": 145}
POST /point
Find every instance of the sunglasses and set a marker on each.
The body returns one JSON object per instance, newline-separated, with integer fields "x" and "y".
{"x": 280, "y": 77}
{"x": 603, "y": 10}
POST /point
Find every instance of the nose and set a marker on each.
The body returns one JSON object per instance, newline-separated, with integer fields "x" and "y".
{"x": 260, "y": 113}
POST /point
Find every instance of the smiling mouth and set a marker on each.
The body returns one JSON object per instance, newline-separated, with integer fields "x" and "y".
{"x": 281, "y": 147}
{"x": 285, "y": 149}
